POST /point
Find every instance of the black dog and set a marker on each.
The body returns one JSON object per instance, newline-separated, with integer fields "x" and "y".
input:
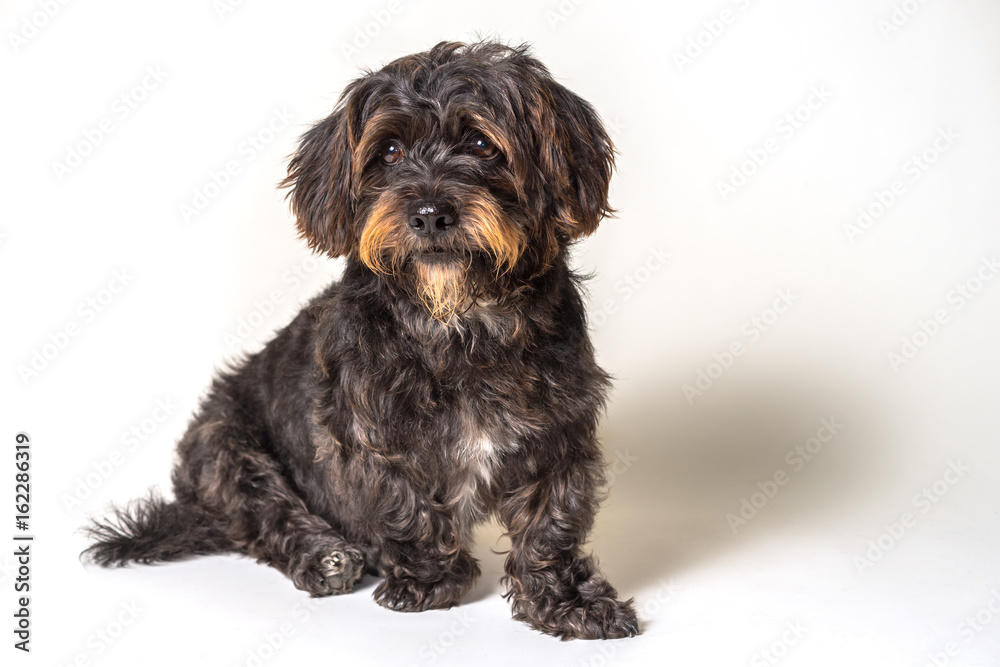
{"x": 447, "y": 377}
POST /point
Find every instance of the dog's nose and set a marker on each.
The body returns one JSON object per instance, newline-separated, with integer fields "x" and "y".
{"x": 431, "y": 220}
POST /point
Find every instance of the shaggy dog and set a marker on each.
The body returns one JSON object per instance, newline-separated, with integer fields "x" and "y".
{"x": 446, "y": 378}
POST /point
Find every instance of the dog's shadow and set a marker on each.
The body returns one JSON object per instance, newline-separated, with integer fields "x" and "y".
{"x": 679, "y": 472}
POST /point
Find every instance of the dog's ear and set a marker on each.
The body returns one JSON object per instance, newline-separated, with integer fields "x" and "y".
{"x": 320, "y": 175}
{"x": 576, "y": 157}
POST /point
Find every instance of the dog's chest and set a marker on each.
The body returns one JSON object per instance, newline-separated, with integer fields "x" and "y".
{"x": 454, "y": 409}
{"x": 481, "y": 435}
{"x": 480, "y": 453}
{"x": 474, "y": 466}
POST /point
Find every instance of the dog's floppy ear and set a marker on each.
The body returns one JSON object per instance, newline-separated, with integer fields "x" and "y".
{"x": 576, "y": 157}
{"x": 320, "y": 176}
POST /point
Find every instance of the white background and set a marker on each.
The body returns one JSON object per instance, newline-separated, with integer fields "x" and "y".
{"x": 823, "y": 572}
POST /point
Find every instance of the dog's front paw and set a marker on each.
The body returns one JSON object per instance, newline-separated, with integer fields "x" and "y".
{"x": 404, "y": 594}
{"x": 341, "y": 569}
{"x": 594, "y": 612}
{"x": 401, "y": 593}
{"x": 328, "y": 569}
{"x": 603, "y": 618}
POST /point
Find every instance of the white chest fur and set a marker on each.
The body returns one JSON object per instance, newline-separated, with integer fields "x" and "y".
{"x": 478, "y": 456}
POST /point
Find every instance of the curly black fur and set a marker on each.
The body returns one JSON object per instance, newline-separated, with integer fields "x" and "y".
{"x": 150, "y": 530}
{"x": 447, "y": 377}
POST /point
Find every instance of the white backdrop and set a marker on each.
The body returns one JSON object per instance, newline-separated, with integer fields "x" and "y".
{"x": 798, "y": 299}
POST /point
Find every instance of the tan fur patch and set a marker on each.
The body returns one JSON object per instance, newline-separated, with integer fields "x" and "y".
{"x": 493, "y": 231}
{"x": 442, "y": 288}
{"x": 380, "y": 236}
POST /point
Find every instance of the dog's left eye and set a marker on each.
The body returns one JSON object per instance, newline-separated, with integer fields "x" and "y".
{"x": 392, "y": 153}
{"x": 483, "y": 148}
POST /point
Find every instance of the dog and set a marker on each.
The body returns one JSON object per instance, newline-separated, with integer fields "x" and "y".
{"x": 446, "y": 378}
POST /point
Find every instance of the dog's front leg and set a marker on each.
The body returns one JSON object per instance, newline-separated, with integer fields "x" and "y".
{"x": 552, "y": 586}
{"x": 422, "y": 557}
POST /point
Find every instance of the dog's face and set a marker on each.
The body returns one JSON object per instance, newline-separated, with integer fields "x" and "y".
{"x": 456, "y": 174}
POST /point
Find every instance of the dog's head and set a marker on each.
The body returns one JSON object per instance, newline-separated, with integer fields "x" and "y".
{"x": 458, "y": 173}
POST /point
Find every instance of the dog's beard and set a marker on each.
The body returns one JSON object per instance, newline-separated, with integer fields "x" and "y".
{"x": 442, "y": 285}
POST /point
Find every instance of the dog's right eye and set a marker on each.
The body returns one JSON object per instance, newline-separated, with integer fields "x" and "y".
{"x": 483, "y": 148}
{"x": 392, "y": 153}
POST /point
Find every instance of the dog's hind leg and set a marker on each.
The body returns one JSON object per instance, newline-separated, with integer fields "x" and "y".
{"x": 225, "y": 470}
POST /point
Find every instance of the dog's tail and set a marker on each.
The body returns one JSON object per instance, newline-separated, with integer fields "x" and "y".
{"x": 149, "y": 530}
